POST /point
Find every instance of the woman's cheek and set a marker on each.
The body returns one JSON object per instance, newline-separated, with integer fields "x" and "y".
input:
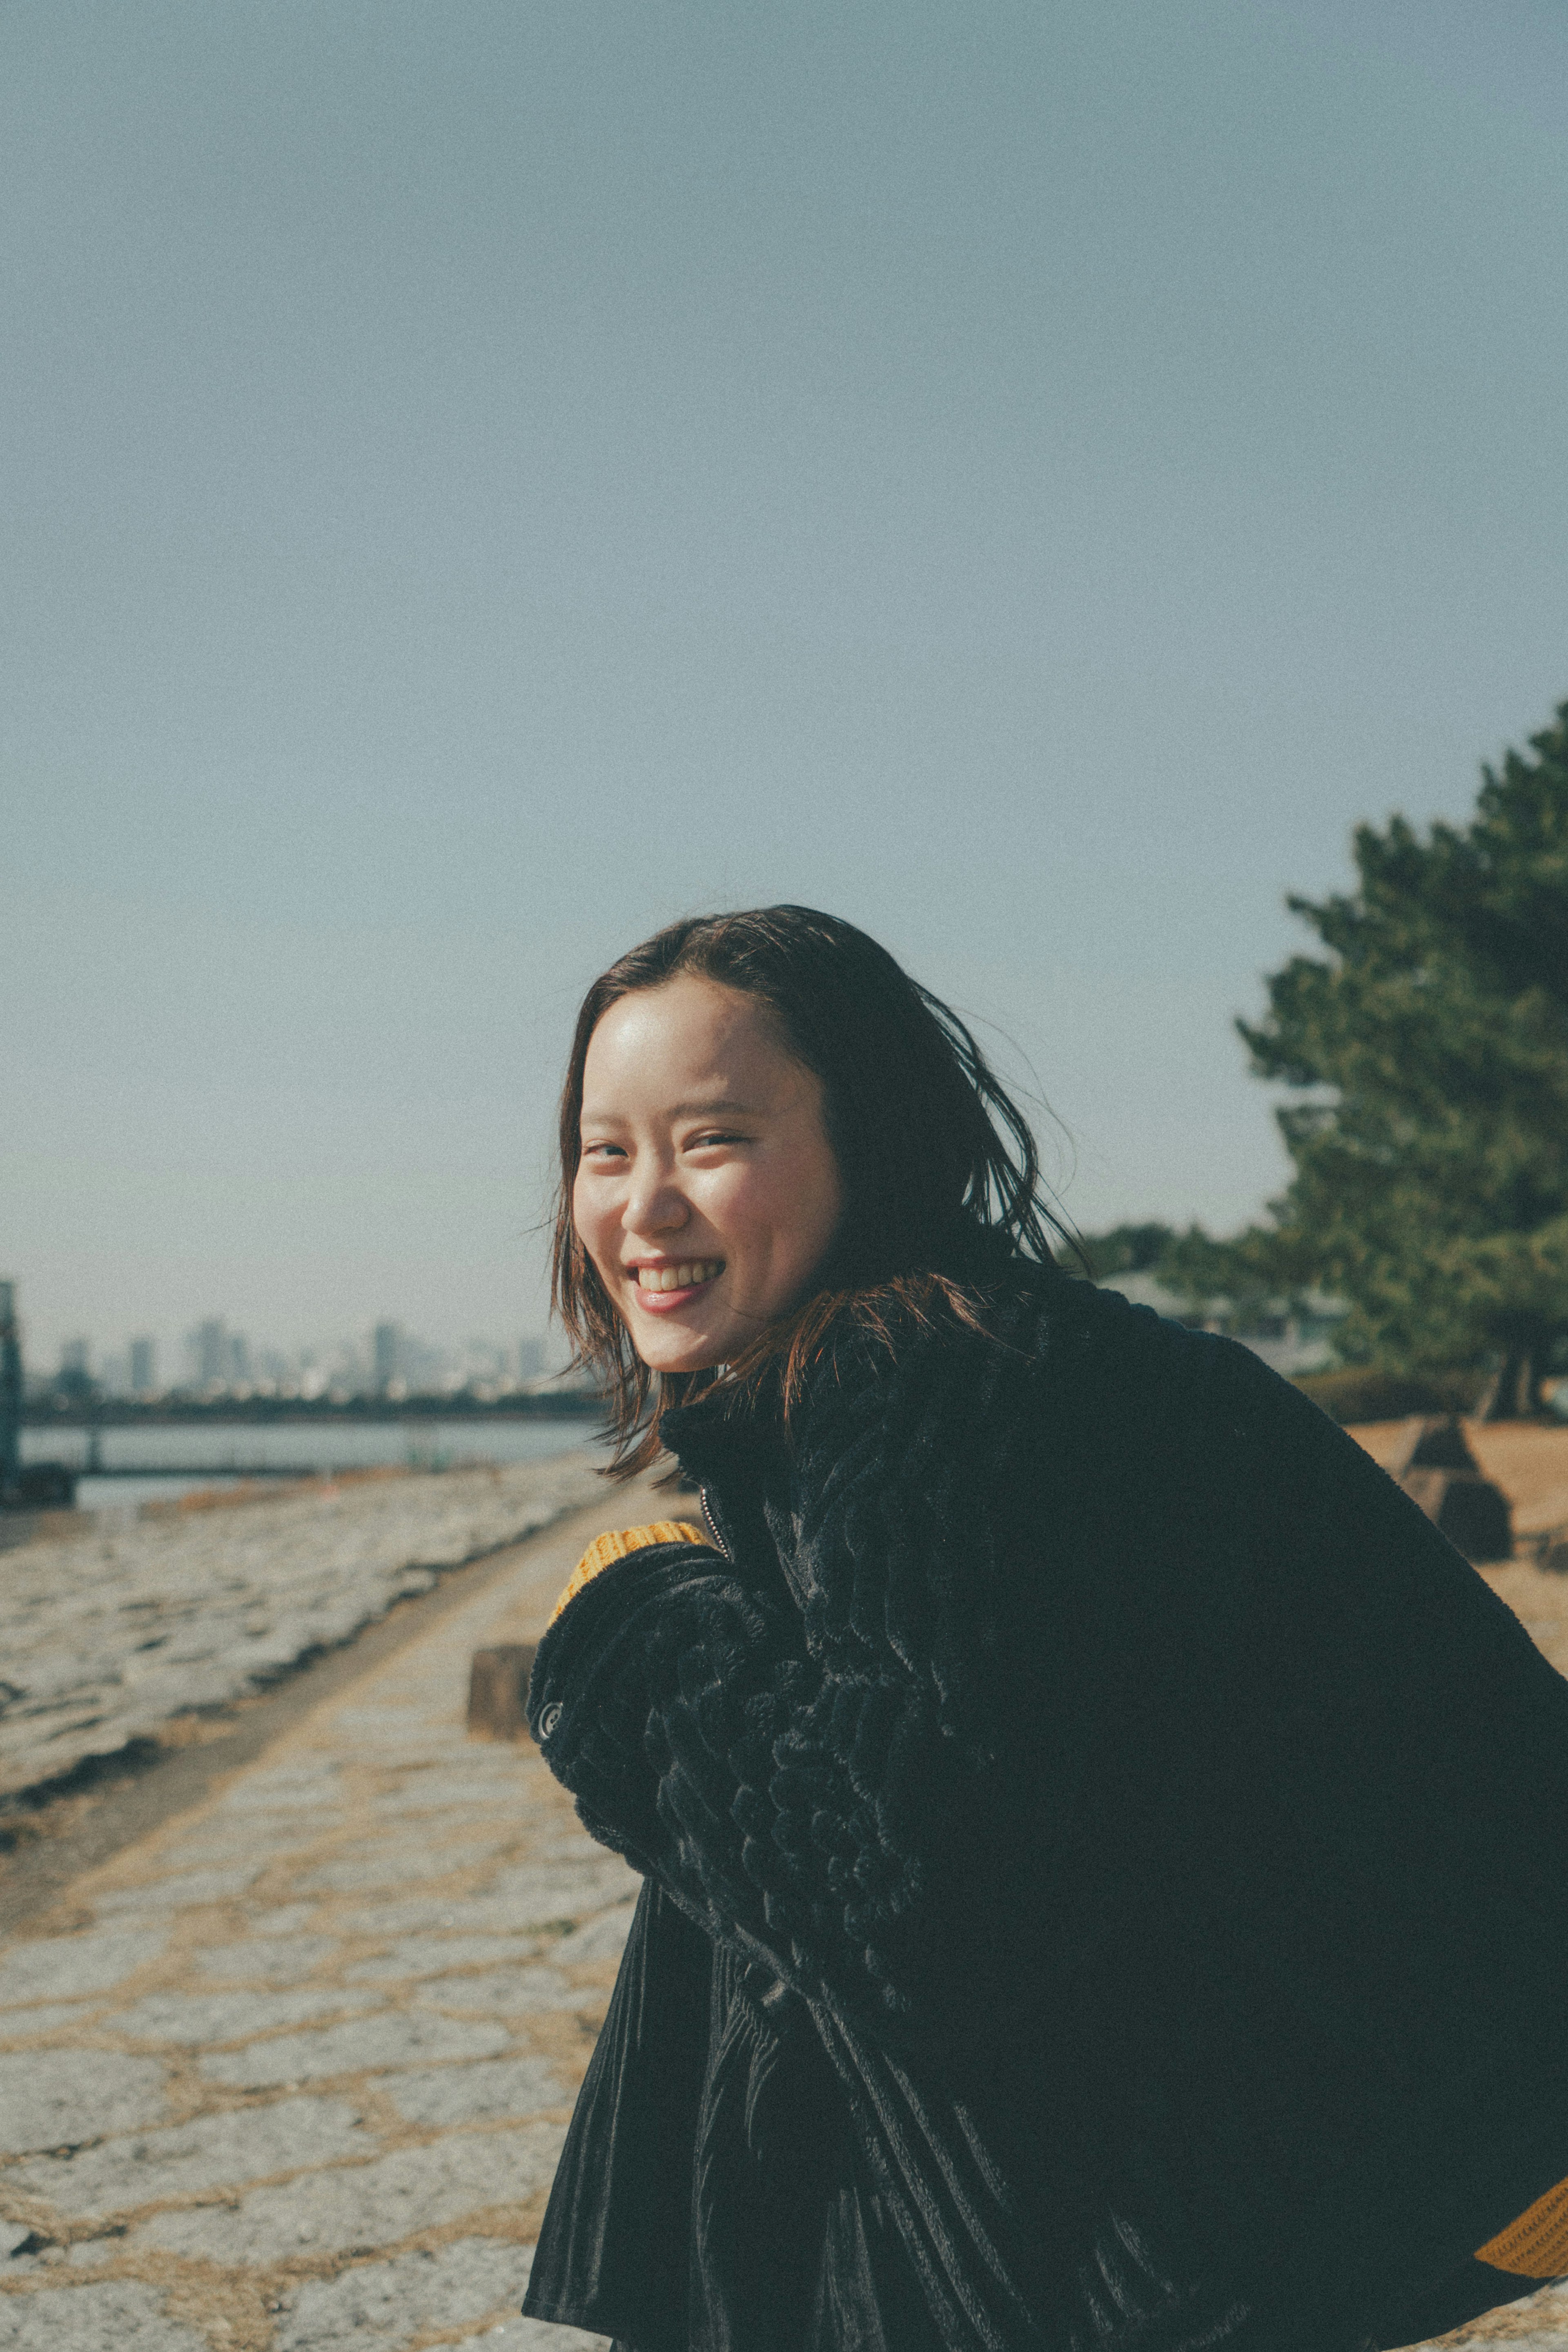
{"x": 724, "y": 1203}
{"x": 593, "y": 1229}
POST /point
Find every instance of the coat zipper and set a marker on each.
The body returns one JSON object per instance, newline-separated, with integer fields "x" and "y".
{"x": 713, "y": 1524}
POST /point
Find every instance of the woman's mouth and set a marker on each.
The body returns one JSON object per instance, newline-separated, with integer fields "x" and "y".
{"x": 661, "y": 1287}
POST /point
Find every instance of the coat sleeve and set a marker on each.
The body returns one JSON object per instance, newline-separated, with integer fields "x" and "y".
{"x": 820, "y": 1772}
{"x": 792, "y": 1808}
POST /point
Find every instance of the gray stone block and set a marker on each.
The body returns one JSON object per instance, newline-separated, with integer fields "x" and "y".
{"x": 499, "y": 1834}
{"x": 186, "y": 2159}
{"x": 389, "y": 1723}
{"x": 274, "y": 1808}
{"x": 398, "y": 1865}
{"x": 497, "y": 2090}
{"x": 367, "y": 2205}
{"x": 316, "y": 1779}
{"x": 504, "y": 1992}
{"x": 429, "y": 1956}
{"x": 392, "y": 2038}
{"x": 481, "y": 1808}
{"x": 601, "y": 1938}
{"x": 47, "y": 2017}
{"x": 279, "y": 1960}
{"x": 537, "y": 1894}
{"x": 1514, "y": 2330}
{"x": 55, "y": 2098}
{"x": 487, "y": 1777}
{"x": 282, "y": 1919}
{"x": 207, "y": 2018}
{"x": 180, "y": 1891}
{"x": 217, "y": 1844}
{"x": 1537, "y": 2323}
{"x": 390, "y": 2302}
{"x": 519, "y": 2335}
{"x": 62, "y": 1967}
{"x": 437, "y": 1914}
{"x": 109, "y": 2316}
{"x": 563, "y": 1840}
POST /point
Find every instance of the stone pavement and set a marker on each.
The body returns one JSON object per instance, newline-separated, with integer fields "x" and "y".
{"x": 109, "y": 1635}
{"x": 1538, "y": 2323}
{"x": 292, "y": 2073}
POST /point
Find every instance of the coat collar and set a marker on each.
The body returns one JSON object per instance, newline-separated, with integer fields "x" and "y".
{"x": 719, "y": 1437}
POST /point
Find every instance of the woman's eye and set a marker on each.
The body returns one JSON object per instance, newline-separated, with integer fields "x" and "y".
{"x": 603, "y": 1152}
{"x": 699, "y": 1142}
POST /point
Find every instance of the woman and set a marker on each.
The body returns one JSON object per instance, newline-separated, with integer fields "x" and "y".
{"x": 1102, "y": 1849}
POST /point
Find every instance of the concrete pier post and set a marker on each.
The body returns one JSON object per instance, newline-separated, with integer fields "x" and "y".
{"x": 10, "y": 1390}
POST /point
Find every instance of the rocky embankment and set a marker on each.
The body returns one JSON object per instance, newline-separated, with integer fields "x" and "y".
{"x": 112, "y": 1634}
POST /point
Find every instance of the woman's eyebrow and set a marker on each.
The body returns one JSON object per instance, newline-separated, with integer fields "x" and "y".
{"x": 715, "y": 1107}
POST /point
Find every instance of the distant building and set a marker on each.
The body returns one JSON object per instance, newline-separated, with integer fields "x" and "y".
{"x": 74, "y": 1381}
{"x": 209, "y": 1345}
{"x": 10, "y": 1386}
{"x": 424, "y": 1367}
{"x": 1291, "y": 1336}
{"x": 143, "y": 1368}
{"x": 387, "y": 1354}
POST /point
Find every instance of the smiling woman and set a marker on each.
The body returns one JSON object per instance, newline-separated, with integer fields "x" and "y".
{"x": 1105, "y": 1856}
{"x": 708, "y": 1191}
{"x": 769, "y": 1094}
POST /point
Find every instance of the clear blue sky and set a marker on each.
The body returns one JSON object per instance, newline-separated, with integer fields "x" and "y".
{"x": 480, "y": 480}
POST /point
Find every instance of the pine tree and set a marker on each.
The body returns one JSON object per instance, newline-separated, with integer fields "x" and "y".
{"x": 1127, "y": 1249}
{"x": 1431, "y": 1045}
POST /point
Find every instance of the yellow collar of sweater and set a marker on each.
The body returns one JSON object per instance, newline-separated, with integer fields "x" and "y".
{"x": 605, "y": 1550}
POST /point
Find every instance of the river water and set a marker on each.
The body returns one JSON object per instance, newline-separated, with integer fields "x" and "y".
{"x": 218, "y": 1454}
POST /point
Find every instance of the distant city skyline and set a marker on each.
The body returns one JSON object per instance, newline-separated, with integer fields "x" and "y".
{"x": 214, "y": 1359}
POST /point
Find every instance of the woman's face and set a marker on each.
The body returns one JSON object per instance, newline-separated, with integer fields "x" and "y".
{"x": 707, "y": 1193}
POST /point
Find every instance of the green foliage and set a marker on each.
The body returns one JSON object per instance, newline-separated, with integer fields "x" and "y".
{"x": 1246, "y": 1273}
{"x": 1430, "y": 1044}
{"x": 1247, "y": 1286}
{"x": 1128, "y": 1249}
{"x": 1252, "y": 1272}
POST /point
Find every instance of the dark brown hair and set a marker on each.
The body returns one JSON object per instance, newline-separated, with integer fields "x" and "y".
{"x": 891, "y": 1057}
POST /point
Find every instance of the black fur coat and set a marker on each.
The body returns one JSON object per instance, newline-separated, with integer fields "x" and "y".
{"x": 1107, "y": 1870}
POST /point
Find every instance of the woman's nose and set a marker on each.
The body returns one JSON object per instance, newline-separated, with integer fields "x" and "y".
{"x": 654, "y": 1206}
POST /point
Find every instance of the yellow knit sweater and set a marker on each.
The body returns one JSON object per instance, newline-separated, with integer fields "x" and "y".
{"x": 1533, "y": 2246}
{"x": 615, "y": 1545}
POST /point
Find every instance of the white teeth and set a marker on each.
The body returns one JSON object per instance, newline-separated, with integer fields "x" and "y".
{"x": 680, "y": 1277}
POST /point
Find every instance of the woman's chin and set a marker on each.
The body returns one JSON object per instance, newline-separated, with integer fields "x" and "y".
{"x": 670, "y": 1356}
